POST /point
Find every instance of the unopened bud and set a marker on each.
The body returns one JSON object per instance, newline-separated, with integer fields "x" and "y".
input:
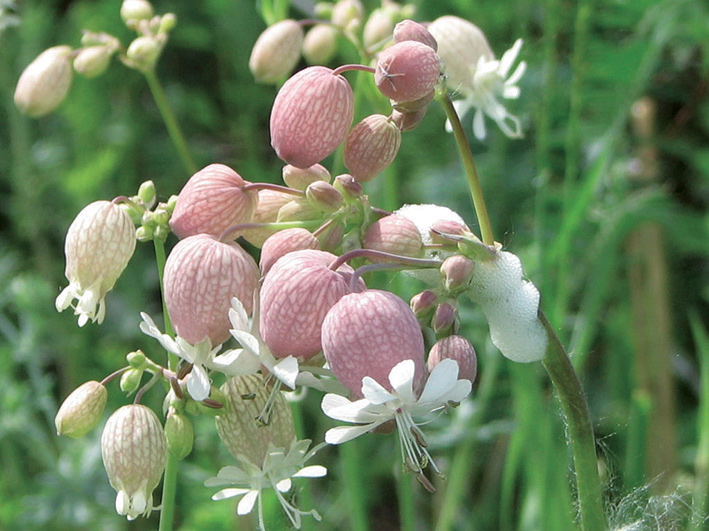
{"x": 444, "y": 318}
{"x": 423, "y": 304}
{"x": 267, "y": 207}
{"x": 378, "y": 28}
{"x": 348, "y": 186}
{"x": 442, "y": 227}
{"x": 393, "y": 234}
{"x": 323, "y": 10}
{"x": 93, "y": 61}
{"x": 143, "y": 53}
{"x": 456, "y": 348}
{"x": 324, "y": 197}
{"x": 371, "y": 146}
{"x": 408, "y": 121}
{"x": 147, "y": 193}
{"x": 179, "y": 434}
{"x": 81, "y": 410}
{"x": 299, "y": 209}
{"x": 300, "y": 178}
{"x": 136, "y": 10}
{"x": 320, "y": 44}
{"x": 413, "y": 106}
{"x": 130, "y": 380}
{"x": 347, "y": 14}
{"x": 136, "y": 359}
{"x": 457, "y": 271}
{"x": 167, "y": 23}
{"x": 407, "y": 71}
{"x": 45, "y": 82}
{"x": 276, "y": 52}
{"x": 408, "y": 30}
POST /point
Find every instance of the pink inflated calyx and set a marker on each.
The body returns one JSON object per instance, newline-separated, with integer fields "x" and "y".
{"x": 284, "y": 242}
{"x": 367, "y": 334}
{"x": 456, "y": 348}
{"x": 295, "y": 296}
{"x": 409, "y": 30}
{"x": 407, "y": 71}
{"x": 212, "y": 201}
{"x": 395, "y": 235}
{"x": 311, "y": 116}
{"x": 202, "y": 275}
{"x": 371, "y": 146}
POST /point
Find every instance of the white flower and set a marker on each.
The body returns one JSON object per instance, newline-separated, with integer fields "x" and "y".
{"x": 278, "y": 468}
{"x": 380, "y": 405}
{"x": 489, "y": 80}
{"x": 256, "y": 353}
{"x": 202, "y": 356}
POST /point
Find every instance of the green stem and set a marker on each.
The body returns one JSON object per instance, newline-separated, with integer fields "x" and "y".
{"x": 173, "y": 128}
{"x": 169, "y": 487}
{"x": 580, "y": 431}
{"x": 355, "y": 489}
{"x": 471, "y": 173}
{"x": 407, "y": 507}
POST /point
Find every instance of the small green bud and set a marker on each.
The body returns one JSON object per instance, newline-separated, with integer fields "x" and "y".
{"x": 144, "y": 234}
{"x": 171, "y": 203}
{"x": 161, "y": 233}
{"x": 180, "y": 435}
{"x": 93, "y": 61}
{"x": 136, "y": 10}
{"x": 324, "y": 196}
{"x": 323, "y": 10}
{"x": 167, "y": 23}
{"x": 147, "y": 193}
{"x": 136, "y": 359}
{"x": 143, "y": 53}
{"x": 320, "y": 44}
{"x": 161, "y": 217}
{"x": 81, "y": 410}
{"x": 130, "y": 380}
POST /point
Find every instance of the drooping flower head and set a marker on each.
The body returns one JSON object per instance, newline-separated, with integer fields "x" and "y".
{"x": 473, "y": 72}
{"x": 295, "y": 296}
{"x": 212, "y": 201}
{"x": 407, "y": 71}
{"x": 134, "y": 451}
{"x": 202, "y": 275}
{"x": 99, "y": 244}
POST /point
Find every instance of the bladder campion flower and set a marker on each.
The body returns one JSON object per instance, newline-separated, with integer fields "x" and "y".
{"x": 134, "y": 451}
{"x": 99, "y": 244}
{"x": 81, "y": 410}
{"x": 45, "y": 82}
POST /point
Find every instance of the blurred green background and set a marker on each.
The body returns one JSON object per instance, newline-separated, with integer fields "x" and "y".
{"x": 604, "y": 200}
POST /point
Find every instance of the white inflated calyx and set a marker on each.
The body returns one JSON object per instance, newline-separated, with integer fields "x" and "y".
{"x": 511, "y": 305}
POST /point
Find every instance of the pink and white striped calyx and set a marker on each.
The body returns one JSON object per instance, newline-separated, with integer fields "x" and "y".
{"x": 371, "y": 146}
{"x": 202, "y": 275}
{"x": 212, "y": 201}
{"x": 295, "y": 296}
{"x": 407, "y": 71}
{"x": 311, "y": 116}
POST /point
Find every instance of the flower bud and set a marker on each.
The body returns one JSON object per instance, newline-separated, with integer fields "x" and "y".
{"x": 413, "y": 106}
{"x": 446, "y": 226}
{"x": 134, "y": 453}
{"x": 324, "y": 197}
{"x": 444, "y": 318}
{"x": 457, "y": 271}
{"x": 202, "y": 275}
{"x": 99, "y": 244}
{"x": 295, "y": 296}
{"x": 130, "y": 380}
{"x": 456, "y": 348}
{"x": 377, "y": 29}
{"x": 238, "y": 427}
{"x": 311, "y": 115}
{"x": 367, "y": 334}
{"x": 267, "y": 207}
{"x": 136, "y": 359}
{"x": 408, "y": 121}
{"x": 347, "y": 14}
{"x": 45, "y": 82}
{"x": 167, "y": 23}
{"x": 143, "y": 53}
{"x": 407, "y": 71}
{"x": 331, "y": 237}
{"x": 423, "y": 305}
{"x": 323, "y": 10}
{"x": 320, "y": 44}
{"x": 348, "y": 186}
{"x": 81, "y": 410}
{"x": 179, "y": 434}
{"x": 136, "y": 10}
{"x": 300, "y": 178}
{"x": 460, "y": 46}
{"x": 276, "y": 52}
{"x": 93, "y": 61}
{"x": 393, "y": 234}
{"x": 371, "y": 146}
{"x": 282, "y": 243}
{"x": 212, "y": 201}
{"x": 299, "y": 209}
{"x": 408, "y": 30}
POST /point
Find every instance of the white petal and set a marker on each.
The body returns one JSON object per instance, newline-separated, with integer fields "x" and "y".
{"x": 313, "y": 471}
{"x": 511, "y": 93}
{"x": 229, "y": 493}
{"x": 517, "y": 74}
{"x": 122, "y": 502}
{"x": 238, "y": 316}
{"x": 479, "y": 125}
{"x": 342, "y": 434}
{"x": 374, "y": 392}
{"x": 401, "y": 379}
{"x": 508, "y": 58}
{"x": 361, "y": 411}
{"x": 247, "y": 340}
{"x": 440, "y": 381}
{"x": 286, "y": 371}
{"x": 247, "y": 502}
{"x": 198, "y": 385}
{"x": 236, "y": 362}
{"x": 284, "y": 485}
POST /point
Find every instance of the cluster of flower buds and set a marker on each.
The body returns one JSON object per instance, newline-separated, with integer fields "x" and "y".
{"x": 46, "y": 81}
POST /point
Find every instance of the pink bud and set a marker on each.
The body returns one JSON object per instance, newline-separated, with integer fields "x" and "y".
{"x": 295, "y": 296}
{"x": 408, "y": 121}
{"x": 300, "y": 178}
{"x": 393, "y": 234}
{"x": 444, "y": 318}
{"x": 456, "y": 348}
{"x": 276, "y": 52}
{"x": 407, "y": 71}
{"x": 284, "y": 242}
{"x": 371, "y": 146}
{"x": 413, "y": 106}
{"x": 367, "y": 334}
{"x": 299, "y": 209}
{"x": 444, "y": 226}
{"x": 348, "y": 186}
{"x": 457, "y": 271}
{"x": 202, "y": 275}
{"x": 408, "y": 30}
{"x": 269, "y": 203}
{"x": 324, "y": 197}
{"x": 423, "y": 303}
{"x": 310, "y": 116}
{"x": 212, "y": 201}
